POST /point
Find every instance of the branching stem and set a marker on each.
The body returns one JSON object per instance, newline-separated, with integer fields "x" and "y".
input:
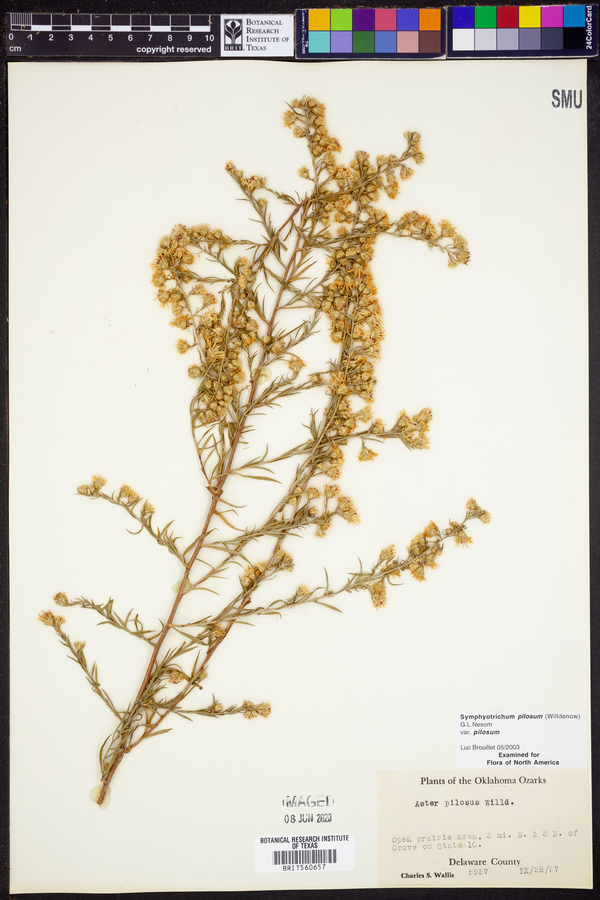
{"x": 126, "y": 743}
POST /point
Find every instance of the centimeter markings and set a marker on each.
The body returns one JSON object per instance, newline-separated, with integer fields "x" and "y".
{"x": 76, "y": 34}
{"x": 105, "y": 22}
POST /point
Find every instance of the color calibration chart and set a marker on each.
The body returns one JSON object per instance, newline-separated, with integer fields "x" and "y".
{"x": 519, "y": 30}
{"x": 327, "y": 33}
{"x": 459, "y": 31}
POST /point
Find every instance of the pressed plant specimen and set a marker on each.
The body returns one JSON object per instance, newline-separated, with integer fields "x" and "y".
{"x": 245, "y": 308}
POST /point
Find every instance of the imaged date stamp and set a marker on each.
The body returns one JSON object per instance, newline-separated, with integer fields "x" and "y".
{"x": 308, "y": 818}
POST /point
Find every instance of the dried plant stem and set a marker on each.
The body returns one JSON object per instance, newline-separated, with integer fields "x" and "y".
{"x": 237, "y": 339}
{"x": 127, "y": 723}
{"x": 245, "y": 602}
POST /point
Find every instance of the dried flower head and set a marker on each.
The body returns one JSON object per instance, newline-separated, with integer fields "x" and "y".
{"x": 366, "y": 454}
{"x": 461, "y": 538}
{"x": 128, "y": 496}
{"x": 93, "y": 489}
{"x": 48, "y": 618}
{"x": 217, "y": 633}
{"x": 253, "y": 710}
{"x": 378, "y": 594}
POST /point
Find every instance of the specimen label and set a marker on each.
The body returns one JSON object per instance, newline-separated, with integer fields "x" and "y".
{"x": 478, "y": 828}
{"x": 521, "y": 740}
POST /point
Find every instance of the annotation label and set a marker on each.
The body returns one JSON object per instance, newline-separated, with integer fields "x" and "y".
{"x": 521, "y": 740}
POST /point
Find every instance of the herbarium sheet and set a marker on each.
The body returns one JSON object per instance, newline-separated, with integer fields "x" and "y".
{"x": 298, "y": 476}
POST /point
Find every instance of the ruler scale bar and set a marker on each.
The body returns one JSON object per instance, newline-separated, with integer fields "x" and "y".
{"x": 113, "y": 36}
{"x": 117, "y": 23}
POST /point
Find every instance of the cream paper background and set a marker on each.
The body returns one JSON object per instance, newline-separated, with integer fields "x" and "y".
{"x": 104, "y": 159}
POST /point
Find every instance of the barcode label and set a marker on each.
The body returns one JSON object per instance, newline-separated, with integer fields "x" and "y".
{"x": 293, "y": 857}
{"x": 304, "y": 853}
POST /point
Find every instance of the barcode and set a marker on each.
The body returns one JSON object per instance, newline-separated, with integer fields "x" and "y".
{"x": 288, "y": 853}
{"x": 303, "y": 857}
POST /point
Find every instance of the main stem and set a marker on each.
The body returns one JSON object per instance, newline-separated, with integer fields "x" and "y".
{"x": 216, "y": 496}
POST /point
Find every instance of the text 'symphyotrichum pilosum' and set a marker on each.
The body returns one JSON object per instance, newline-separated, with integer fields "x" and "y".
{"x": 245, "y": 309}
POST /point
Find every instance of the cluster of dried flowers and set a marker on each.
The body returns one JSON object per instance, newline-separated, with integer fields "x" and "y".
{"x": 235, "y": 302}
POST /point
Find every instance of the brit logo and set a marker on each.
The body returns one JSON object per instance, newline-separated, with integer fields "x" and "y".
{"x": 232, "y": 31}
